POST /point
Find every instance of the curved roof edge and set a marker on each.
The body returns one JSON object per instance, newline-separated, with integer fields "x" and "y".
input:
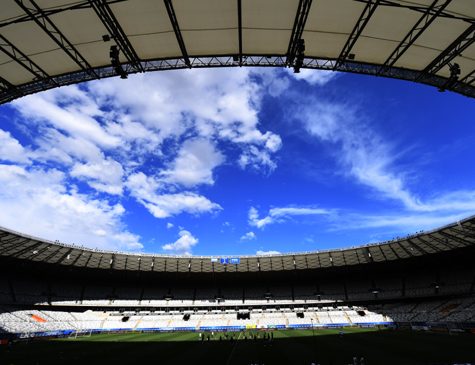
{"x": 11, "y": 93}
{"x": 470, "y": 234}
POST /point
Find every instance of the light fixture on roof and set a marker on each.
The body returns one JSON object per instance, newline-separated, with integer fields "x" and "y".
{"x": 114, "y": 55}
{"x": 300, "y": 55}
{"x": 454, "y": 76}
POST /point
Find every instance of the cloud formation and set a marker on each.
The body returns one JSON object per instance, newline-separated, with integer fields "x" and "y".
{"x": 279, "y": 215}
{"x": 182, "y": 246}
{"x": 248, "y": 236}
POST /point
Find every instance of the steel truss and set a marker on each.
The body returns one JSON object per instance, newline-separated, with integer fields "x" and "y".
{"x": 76, "y": 6}
{"x": 297, "y": 30}
{"x": 105, "y": 14}
{"x": 12, "y": 93}
{"x": 368, "y": 11}
{"x": 422, "y": 24}
{"x": 465, "y": 40}
{"x": 421, "y": 9}
{"x": 23, "y": 60}
{"x": 42, "y": 20}
{"x": 176, "y": 29}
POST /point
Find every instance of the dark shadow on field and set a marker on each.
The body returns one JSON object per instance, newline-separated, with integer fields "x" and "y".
{"x": 288, "y": 347}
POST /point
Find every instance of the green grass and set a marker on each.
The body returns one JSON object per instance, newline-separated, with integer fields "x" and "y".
{"x": 289, "y": 347}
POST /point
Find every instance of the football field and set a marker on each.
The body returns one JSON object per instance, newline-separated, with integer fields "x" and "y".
{"x": 289, "y": 347}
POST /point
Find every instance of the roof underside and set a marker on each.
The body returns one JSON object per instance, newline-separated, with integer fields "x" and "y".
{"x": 50, "y": 43}
{"x": 447, "y": 239}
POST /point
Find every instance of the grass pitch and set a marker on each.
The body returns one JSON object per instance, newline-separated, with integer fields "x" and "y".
{"x": 289, "y": 347}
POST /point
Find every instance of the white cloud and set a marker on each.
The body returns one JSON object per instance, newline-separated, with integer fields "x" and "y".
{"x": 169, "y": 225}
{"x": 104, "y": 176}
{"x": 366, "y": 156}
{"x": 194, "y": 164}
{"x": 183, "y": 245}
{"x": 313, "y": 77}
{"x": 145, "y": 190}
{"x": 260, "y": 252}
{"x": 11, "y": 149}
{"x": 248, "y": 236}
{"x": 38, "y": 202}
{"x": 278, "y": 215}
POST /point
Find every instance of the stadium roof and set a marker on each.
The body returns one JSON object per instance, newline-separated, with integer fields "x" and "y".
{"x": 49, "y": 43}
{"x": 447, "y": 239}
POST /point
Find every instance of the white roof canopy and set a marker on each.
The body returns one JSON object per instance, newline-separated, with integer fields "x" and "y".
{"x": 50, "y": 43}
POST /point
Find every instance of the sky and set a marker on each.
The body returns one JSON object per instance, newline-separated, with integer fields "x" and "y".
{"x": 235, "y": 161}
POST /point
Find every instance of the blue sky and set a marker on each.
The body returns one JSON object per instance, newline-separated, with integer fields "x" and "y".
{"x": 235, "y": 161}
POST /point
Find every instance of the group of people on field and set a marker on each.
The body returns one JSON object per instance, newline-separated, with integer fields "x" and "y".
{"x": 268, "y": 338}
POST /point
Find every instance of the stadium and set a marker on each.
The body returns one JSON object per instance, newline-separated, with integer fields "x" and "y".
{"x": 391, "y": 294}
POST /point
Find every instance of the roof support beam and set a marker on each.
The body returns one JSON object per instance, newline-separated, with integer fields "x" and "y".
{"x": 87, "y": 262}
{"x": 55, "y": 34}
{"x": 76, "y": 6}
{"x": 456, "y": 239}
{"x": 427, "y": 243}
{"x": 418, "y": 248}
{"x": 468, "y": 79}
{"x": 466, "y": 233}
{"x": 240, "y": 30}
{"x": 105, "y": 14}
{"x": 297, "y": 30}
{"x": 365, "y": 16}
{"x": 38, "y": 253}
{"x": 62, "y": 258}
{"x": 176, "y": 29}
{"x": 420, "y": 9}
{"x": 12, "y": 247}
{"x": 382, "y": 253}
{"x": 23, "y": 60}
{"x": 422, "y": 24}
{"x": 47, "y": 258}
{"x": 465, "y": 40}
{"x": 6, "y": 87}
{"x": 21, "y": 252}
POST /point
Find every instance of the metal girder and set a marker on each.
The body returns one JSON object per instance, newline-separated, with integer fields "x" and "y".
{"x": 23, "y": 60}
{"x": 228, "y": 61}
{"x": 297, "y": 30}
{"x": 418, "y": 248}
{"x": 176, "y": 29}
{"x": 454, "y": 238}
{"x": 240, "y": 30}
{"x": 76, "y": 6}
{"x": 100, "y": 261}
{"x": 427, "y": 243}
{"x": 446, "y": 244}
{"x": 105, "y": 14}
{"x": 465, "y": 40}
{"x": 46, "y": 259}
{"x": 87, "y": 262}
{"x": 55, "y": 34}
{"x": 15, "y": 238}
{"x": 470, "y": 233}
{"x": 368, "y": 257}
{"x": 406, "y": 250}
{"x": 39, "y": 252}
{"x": 468, "y": 79}
{"x": 422, "y": 24}
{"x": 61, "y": 259}
{"x": 368, "y": 11}
{"x": 76, "y": 259}
{"x": 8, "y": 88}
{"x": 420, "y": 9}
{"x": 16, "y": 254}
{"x": 382, "y": 253}
{"x": 394, "y": 252}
